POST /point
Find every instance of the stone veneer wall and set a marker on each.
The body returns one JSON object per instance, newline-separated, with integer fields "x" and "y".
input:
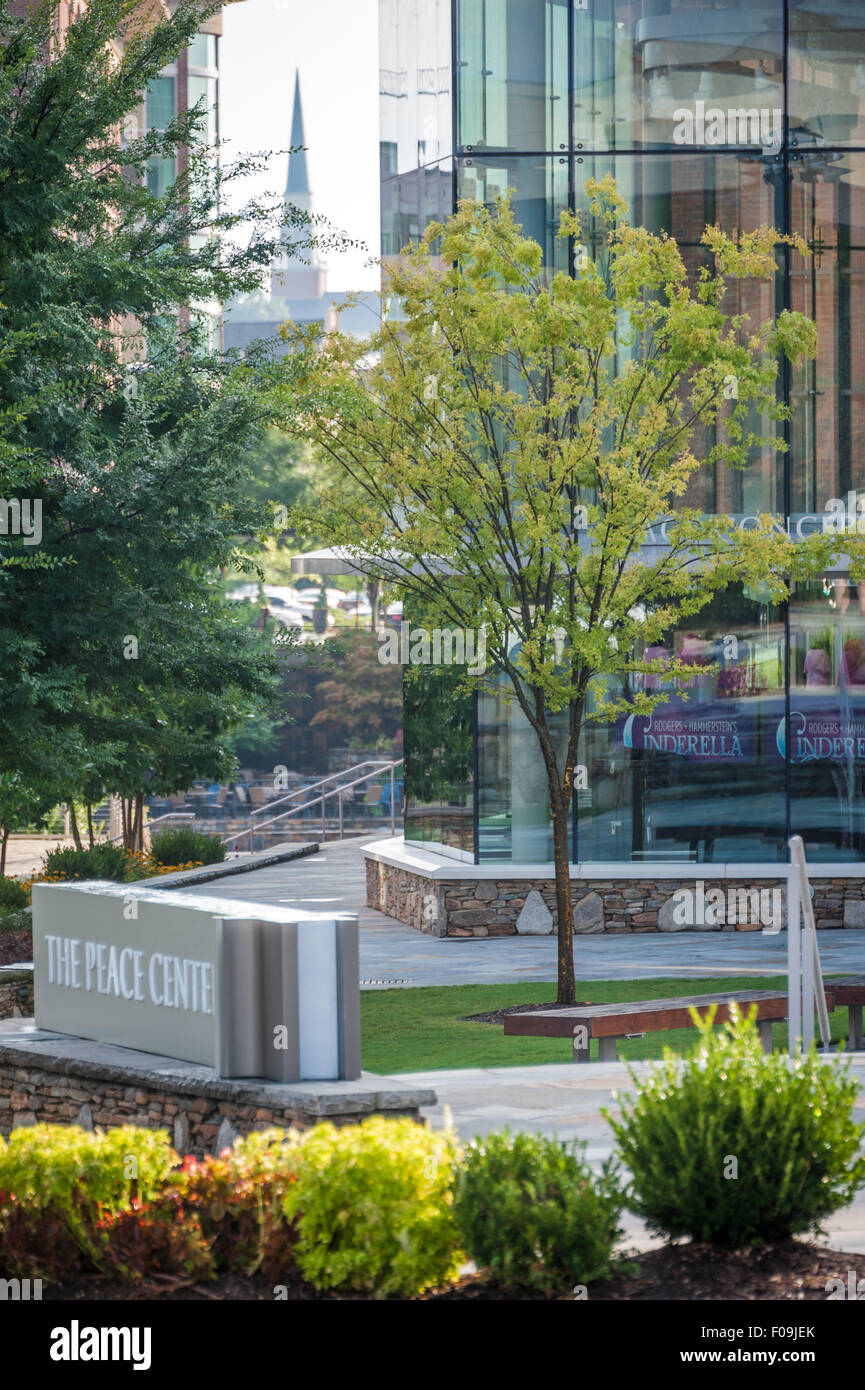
{"x": 490, "y": 907}
{"x": 201, "y": 1117}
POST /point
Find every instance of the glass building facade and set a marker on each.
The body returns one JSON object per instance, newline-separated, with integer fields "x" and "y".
{"x": 705, "y": 111}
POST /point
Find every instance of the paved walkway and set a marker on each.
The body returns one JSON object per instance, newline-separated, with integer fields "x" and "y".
{"x": 393, "y": 955}
{"x": 566, "y": 1100}
{"x": 24, "y": 854}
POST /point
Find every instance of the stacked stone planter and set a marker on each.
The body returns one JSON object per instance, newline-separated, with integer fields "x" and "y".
{"x": 492, "y": 907}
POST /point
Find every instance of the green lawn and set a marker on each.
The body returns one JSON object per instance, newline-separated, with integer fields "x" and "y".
{"x": 422, "y": 1029}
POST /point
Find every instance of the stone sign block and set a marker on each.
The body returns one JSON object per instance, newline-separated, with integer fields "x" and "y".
{"x": 248, "y": 989}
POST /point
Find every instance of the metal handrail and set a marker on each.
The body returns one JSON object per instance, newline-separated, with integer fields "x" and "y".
{"x": 168, "y": 815}
{"x": 334, "y": 791}
{"x": 811, "y": 990}
{"x": 311, "y": 786}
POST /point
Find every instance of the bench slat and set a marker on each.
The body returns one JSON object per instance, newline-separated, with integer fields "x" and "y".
{"x": 848, "y": 991}
{"x": 645, "y": 1016}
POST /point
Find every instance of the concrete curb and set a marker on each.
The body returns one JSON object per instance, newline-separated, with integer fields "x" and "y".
{"x": 280, "y": 854}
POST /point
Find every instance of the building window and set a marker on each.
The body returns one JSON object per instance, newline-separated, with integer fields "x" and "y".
{"x": 202, "y": 94}
{"x": 161, "y": 98}
{"x": 201, "y": 52}
{"x": 513, "y": 74}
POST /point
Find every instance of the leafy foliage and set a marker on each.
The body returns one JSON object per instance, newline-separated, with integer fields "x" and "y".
{"x": 214, "y": 1215}
{"x": 184, "y": 845}
{"x": 532, "y": 1214}
{"x": 57, "y": 1183}
{"x": 737, "y": 1146}
{"x": 161, "y": 1237}
{"x": 372, "y": 1207}
{"x": 13, "y": 895}
{"x": 361, "y": 696}
{"x": 98, "y": 861}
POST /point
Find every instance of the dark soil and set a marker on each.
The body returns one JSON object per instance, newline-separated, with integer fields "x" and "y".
{"x": 15, "y": 946}
{"x": 499, "y": 1014}
{"x": 795, "y": 1271}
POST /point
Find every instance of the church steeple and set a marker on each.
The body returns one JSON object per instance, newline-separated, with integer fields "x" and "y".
{"x": 300, "y": 273}
{"x": 297, "y": 188}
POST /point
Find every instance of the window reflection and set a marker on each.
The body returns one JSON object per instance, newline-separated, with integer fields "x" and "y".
{"x": 827, "y": 716}
{"x": 548, "y": 95}
{"x": 438, "y": 722}
{"x": 828, "y": 210}
{"x": 702, "y": 778}
{"x": 512, "y": 60}
{"x": 643, "y": 65}
{"x": 513, "y": 797}
{"x": 826, "y": 80}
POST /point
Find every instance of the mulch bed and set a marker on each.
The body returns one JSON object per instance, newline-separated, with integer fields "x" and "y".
{"x": 792, "y": 1271}
{"x": 15, "y": 946}
{"x": 795, "y": 1271}
{"x": 498, "y": 1015}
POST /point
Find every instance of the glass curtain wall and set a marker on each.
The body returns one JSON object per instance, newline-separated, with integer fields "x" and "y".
{"x": 740, "y": 112}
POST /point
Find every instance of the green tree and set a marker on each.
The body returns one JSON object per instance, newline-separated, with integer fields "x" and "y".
{"x": 21, "y": 806}
{"x": 514, "y": 435}
{"x": 124, "y": 669}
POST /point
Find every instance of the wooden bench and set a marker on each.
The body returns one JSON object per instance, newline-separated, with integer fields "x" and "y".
{"x": 609, "y": 1022}
{"x": 849, "y": 990}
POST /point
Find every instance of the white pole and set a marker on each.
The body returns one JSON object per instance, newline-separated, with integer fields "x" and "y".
{"x": 808, "y": 991}
{"x": 794, "y": 958}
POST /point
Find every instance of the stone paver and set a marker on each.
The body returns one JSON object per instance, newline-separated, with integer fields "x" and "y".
{"x": 24, "y": 853}
{"x": 393, "y": 955}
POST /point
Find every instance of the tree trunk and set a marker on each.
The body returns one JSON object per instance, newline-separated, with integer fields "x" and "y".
{"x": 90, "y": 825}
{"x": 73, "y": 826}
{"x": 373, "y": 591}
{"x": 134, "y": 836}
{"x": 3, "y": 843}
{"x": 560, "y": 806}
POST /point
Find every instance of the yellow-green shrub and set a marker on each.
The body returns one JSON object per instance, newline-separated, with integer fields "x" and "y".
{"x": 372, "y": 1207}
{"x": 58, "y": 1182}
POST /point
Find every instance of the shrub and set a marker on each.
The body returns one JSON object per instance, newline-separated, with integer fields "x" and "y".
{"x": 185, "y": 845}
{"x": 214, "y": 1215}
{"x": 13, "y": 895}
{"x": 98, "y": 861}
{"x": 240, "y": 1200}
{"x": 163, "y": 1236}
{"x": 735, "y": 1146}
{"x": 372, "y": 1207}
{"x": 21, "y": 921}
{"x": 532, "y": 1214}
{"x": 58, "y": 1183}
